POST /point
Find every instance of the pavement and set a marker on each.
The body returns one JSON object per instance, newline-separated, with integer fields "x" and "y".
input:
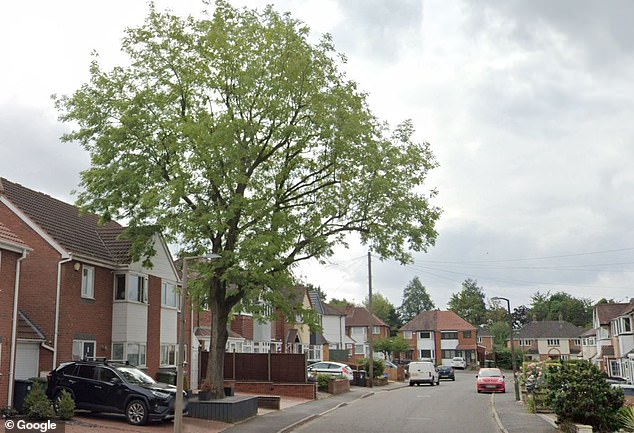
{"x": 510, "y": 415}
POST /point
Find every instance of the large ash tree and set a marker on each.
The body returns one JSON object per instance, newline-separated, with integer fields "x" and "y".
{"x": 235, "y": 135}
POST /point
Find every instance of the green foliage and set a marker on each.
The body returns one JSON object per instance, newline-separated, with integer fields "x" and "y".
{"x": 378, "y": 366}
{"x": 36, "y": 405}
{"x": 469, "y": 303}
{"x": 521, "y": 316}
{"x": 415, "y": 300}
{"x": 384, "y": 310}
{"x": 322, "y": 381}
{"x": 577, "y": 311}
{"x": 236, "y": 134}
{"x": 342, "y": 304}
{"x": 8, "y": 412}
{"x": 66, "y": 406}
{"x": 578, "y": 392}
{"x": 504, "y": 358}
{"x": 500, "y": 332}
{"x": 626, "y": 418}
{"x": 391, "y": 345}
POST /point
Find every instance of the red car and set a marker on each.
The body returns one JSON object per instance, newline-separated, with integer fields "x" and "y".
{"x": 490, "y": 380}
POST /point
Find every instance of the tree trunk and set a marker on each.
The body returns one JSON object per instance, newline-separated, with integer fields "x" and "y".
{"x": 219, "y": 335}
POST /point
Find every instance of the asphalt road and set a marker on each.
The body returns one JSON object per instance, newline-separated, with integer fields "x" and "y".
{"x": 454, "y": 406}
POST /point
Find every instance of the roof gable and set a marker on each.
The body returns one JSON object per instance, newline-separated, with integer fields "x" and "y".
{"x": 360, "y": 316}
{"x": 607, "y": 312}
{"x": 437, "y": 320}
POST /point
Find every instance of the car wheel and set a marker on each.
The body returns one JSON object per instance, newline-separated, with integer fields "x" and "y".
{"x": 453, "y": 378}
{"x": 136, "y": 412}
{"x": 432, "y": 382}
{"x": 411, "y": 384}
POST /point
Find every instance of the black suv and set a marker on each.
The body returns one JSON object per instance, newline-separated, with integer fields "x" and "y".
{"x": 105, "y": 386}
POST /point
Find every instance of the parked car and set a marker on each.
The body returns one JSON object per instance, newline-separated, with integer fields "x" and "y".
{"x": 490, "y": 380}
{"x": 422, "y": 372}
{"x": 459, "y": 362}
{"x": 330, "y": 368}
{"x": 104, "y": 386}
{"x": 628, "y": 390}
{"x": 446, "y": 372}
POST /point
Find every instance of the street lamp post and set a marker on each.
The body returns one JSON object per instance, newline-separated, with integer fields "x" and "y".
{"x": 180, "y": 369}
{"x": 513, "y": 361}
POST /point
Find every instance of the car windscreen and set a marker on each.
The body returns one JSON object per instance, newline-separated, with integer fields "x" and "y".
{"x": 490, "y": 373}
{"x": 135, "y": 376}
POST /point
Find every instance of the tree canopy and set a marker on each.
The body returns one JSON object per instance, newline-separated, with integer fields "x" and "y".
{"x": 234, "y": 134}
{"x": 577, "y": 311}
{"x": 384, "y": 310}
{"x": 469, "y": 303}
{"x": 415, "y": 300}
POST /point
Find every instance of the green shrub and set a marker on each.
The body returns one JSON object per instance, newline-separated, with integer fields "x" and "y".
{"x": 578, "y": 392}
{"x": 378, "y": 367}
{"x": 66, "y": 406}
{"x": 8, "y": 412}
{"x": 626, "y": 418}
{"x": 36, "y": 405}
{"x": 322, "y": 381}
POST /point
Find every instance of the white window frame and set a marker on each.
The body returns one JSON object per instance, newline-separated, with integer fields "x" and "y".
{"x": 552, "y": 341}
{"x": 407, "y": 335}
{"x": 525, "y": 342}
{"x": 421, "y": 335}
{"x": 168, "y": 291}
{"x": 376, "y": 330}
{"x": 88, "y": 282}
{"x": 80, "y": 344}
{"x": 359, "y": 346}
{"x": 142, "y": 292}
{"x": 142, "y": 353}
{"x": 166, "y": 349}
{"x": 123, "y": 354}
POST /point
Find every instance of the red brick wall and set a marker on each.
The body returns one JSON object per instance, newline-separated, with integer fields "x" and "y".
{"x": 8, "y": 263}
{"x": 38, "y": 280}
{"x": 153, "y": 348}
{"x": 243, "y": 325}
{"x": 85, "y": 316}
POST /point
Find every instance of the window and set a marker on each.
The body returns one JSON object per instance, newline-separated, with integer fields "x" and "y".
{"x": 449, "y": 335}
{"x": 83, "y": 349}
{"x": 466, "y": 334}
{"x": 118, "y": 352}
{"x": 407, "y": 334}
{"x": 359, "y": 349}
{"x": 132, "y": 285}
{"x": 479, "y": 339}
{"x": 448, "y": 354}
{"x": 425, "y": 353}
{"x": 168, "y": 354}
{"x": 525, "y": 342}
{"x": 376, "y": 330}
{"x": 553, "y": 341}
{"x": 577, "y": 341}
{"x": 425, "y": 335}
{"x": 136, "y": 354}
{"x": 88, "y": 282}
{"x": 168, "y": 295}
{"x": 627, "y": 325}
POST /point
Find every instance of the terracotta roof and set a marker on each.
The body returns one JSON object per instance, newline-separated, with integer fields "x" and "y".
{"x": 75, "y": 232}
{"x": 550, "y": 328}
{"x": 27, "y": 330}
{"x": 437, "y": 320}
{"x": 9, "y": 238}
{"x": 360, "y": 316}
{"x": 607, "y": 312}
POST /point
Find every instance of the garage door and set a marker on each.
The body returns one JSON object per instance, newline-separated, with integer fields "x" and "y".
{"x": 27, "y": 360}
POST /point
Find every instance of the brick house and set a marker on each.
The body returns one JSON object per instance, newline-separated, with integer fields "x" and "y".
{"x": 441, "y": 336}
{"x": 550, "y": 339}
{"x": 602, "y": 318}
{"x": 359, "y": 326}
{"x": 81, "y": 294}
{"x": 12, "y": 252}
{"x": 623, "y": 343}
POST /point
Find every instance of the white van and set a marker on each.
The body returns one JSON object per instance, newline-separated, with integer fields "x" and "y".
{"x": 422, "y": 372}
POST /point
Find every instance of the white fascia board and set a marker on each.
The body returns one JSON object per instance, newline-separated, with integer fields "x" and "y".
{"x": 8, "y": 246}
{"x": 36, "y": 228}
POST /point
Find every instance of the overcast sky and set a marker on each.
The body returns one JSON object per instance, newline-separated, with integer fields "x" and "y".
{"x": 528, "y": 106}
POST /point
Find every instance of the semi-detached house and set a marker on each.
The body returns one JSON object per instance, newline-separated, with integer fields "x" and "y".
{"x": 80, "y": 294}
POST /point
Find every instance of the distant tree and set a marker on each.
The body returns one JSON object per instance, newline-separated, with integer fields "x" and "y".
{"x": 340, "y": 303}
{"x": 500, "y": 332}
{"x": 469, "y": 303}
{"x": 384, "y": 310}
{"x": 415, "y": 300}
{"x": 521, "y": 316}
{"x": 577, "y": 311}
{"x": 391, "y": 346}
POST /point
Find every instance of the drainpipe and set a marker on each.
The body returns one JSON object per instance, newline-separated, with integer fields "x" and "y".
{"x": 57, "y": 296}
{"x": 14, "y": 329}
